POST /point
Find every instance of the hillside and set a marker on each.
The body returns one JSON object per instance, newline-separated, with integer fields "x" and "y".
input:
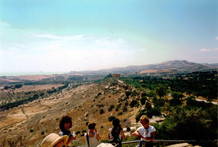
{"x": 170, "y": 103}
{"x": 175, "y": 66}
{"x": 29, "y": 123}
{"x": 168, "y": 67}
{"x": 99, "y": 98}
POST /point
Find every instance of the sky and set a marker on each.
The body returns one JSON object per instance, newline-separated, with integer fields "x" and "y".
{"x": 76, "y": 35}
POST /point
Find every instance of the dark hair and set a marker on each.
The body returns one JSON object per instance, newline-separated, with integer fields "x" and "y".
{"x": 65, "y": 119}
{"x": 91, "y": 125}
{"x": 115, "y": 132}
{"x": 116, "y": 122}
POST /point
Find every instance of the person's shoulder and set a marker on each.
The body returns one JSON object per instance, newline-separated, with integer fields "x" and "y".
{"x": 61, "y": 133}
{"x": 152, "y": 128}
{"x": 140, "y": 128}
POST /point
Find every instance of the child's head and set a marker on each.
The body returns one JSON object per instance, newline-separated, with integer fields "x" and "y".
{"x": 91, "y": 125}
{"x": 144, "y": 121}
{"x": 65, "y": 123}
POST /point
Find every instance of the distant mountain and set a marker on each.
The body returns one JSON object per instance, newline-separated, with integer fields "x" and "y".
{"x": 168, "y": 66}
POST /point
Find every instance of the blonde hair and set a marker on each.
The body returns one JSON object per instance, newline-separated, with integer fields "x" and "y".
{"x": 145, "y": 118}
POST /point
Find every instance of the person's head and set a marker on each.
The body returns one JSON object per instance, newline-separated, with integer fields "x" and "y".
{"x": 116, "y": 122}
{"x": 54, "y": 140}
{"x": 91, "y": 125}
{"x": 65, "y": 123}
{"x": 144, "y": 121}
{"x": 116, "y": 128}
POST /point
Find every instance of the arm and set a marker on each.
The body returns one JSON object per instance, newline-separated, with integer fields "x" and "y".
{"x": 136, "y": 134}
{"x": 150, "y": 138}
{"x": 109, "y": 135}
{"x": 98, "y": 137}
{"x": 70, "y": 139}
{"x": 122, "y": 134}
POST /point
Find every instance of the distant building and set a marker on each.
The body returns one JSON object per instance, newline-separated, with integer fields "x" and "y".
{"x": 116, "y": 75}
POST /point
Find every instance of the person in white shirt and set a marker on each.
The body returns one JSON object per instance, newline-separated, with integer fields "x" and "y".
{"x": 146, "y": 132}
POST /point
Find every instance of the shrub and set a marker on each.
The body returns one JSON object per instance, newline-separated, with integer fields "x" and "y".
{"x": 18, "y": 86}
{"x": 118, "y": 107}
{"x": 31, "y": 130}
{"x": 41, "y": 94}
{"x": 143, "y": 100}
{"x": 177, "y": 95}
{"x": 126, "y": 103}
{"x": 102, "y": 111}
{"x": 134, "y": 103}
{"x": 125, "y": 109}
{"x": 100, "y": 105}
{"x": 175, "y": 102}
{"x": 151, "y": 94}
{"x": 128, "y": 93}
{"x": 111, "y": 108}
{"x": 140, "y": 113}
{"x": 98, "y": 95}
{"x": 176, "y": 99}
{"x": 158, "y": 102}
{"x": 7, "y": 87}
{"x": 120, "y": 113}
{"x": 202, "y": 124}
{"x": 156, "y": 111}
{"x": 143, "y": 94}
{"x": 161, "y": 91}
{"x": 111, "y": 118}
{"x": 50, "y": 91}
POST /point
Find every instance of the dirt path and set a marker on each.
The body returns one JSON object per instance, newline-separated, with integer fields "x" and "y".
{"x": 201, "y": 100}
{"x": 22, "y": 109}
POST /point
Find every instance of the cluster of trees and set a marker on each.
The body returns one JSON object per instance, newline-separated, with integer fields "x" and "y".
{"x": 196, "y": 83}
{"x": 186, "y": 118}
{"x": 194, "y": 121}
{"x": 13, "y": 86}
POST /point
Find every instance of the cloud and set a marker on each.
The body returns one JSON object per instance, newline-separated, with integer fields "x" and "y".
{"x": 59, "y": 37}
{"x": 24, "y": 50}
{"x": 217, "y": 38}
{"x": 204, "y": 50}
{"x": 4, "y": 24}
{"x": 47, "y": 36}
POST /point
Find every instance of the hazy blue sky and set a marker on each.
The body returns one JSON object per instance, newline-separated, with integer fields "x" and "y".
{"x": 72, "y": 35}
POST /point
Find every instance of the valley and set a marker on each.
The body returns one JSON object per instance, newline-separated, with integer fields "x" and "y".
{"x": 30, "y": 110}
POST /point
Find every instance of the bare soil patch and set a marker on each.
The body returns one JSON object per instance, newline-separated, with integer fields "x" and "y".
{"x": 35, "y": 77}
{"x": 37, "y": 87}
{"x": 14, "y": 116}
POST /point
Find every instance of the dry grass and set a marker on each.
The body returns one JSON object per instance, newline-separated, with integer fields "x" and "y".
{"x": 35, "y": 77}
{"x": 37, "y": 87}
{"x": 33, "y": 121}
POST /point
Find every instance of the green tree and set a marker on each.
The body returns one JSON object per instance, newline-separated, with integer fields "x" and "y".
{"x": 183, "y": 123}
{"x": 177, "y": 99}
{"x": 161, "y": 91}
{"x": 18, "y": 86}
